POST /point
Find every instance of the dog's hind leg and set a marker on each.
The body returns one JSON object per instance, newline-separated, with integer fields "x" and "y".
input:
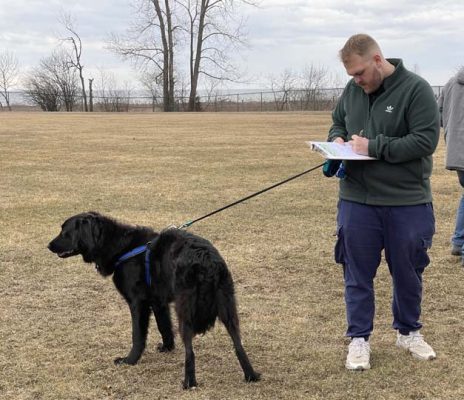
{"x": 187, "y": 334}
{"x": 227, "y": 313}
{"x": 140, "y": 312}
{"x": 163, "y": 321}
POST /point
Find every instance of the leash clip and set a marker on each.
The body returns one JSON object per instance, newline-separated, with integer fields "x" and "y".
{"x": 185, "y": 225}
{"x": 172, "y": 226}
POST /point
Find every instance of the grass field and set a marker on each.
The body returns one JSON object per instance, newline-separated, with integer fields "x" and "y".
{"x": 61, "y": 324}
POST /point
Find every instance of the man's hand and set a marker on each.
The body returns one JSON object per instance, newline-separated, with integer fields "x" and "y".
{"x": 359, "y": 145}
{"x": 339, "y": 140}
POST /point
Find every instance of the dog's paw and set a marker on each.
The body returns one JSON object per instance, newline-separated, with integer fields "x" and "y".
{"x": 123, "y": 361}
{"x": 189, "y": 385}
{"x": 254, "y": 377}
{"x": 162, "y": 348}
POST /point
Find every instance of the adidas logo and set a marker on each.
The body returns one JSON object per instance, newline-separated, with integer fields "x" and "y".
{"x": 389, "y": 109}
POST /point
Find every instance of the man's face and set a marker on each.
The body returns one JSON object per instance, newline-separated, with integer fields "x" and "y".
{"x": 365, "y": 71}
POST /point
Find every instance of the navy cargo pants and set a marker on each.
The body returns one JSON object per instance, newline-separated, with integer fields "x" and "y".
{"x": 405, "y": 233}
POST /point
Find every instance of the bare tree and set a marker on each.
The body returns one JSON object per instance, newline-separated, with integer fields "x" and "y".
{"x": 43, "y": 92}
{"x": 75, "y": 55}
{"x": 150, "y": 42}
{"x": 212, "y": 31}
{"x": 9, "y": 70}
{"x": 110, "y": 98}
{"x": 151, "y": 83}
{"x": 282, "y": 88}
{"x": 53, "y": 83}
{"x": 313, "y": 80}
{"x": 211, "y": 87}
{"x": 208, "y": 27}
{"x": 182, "y": 91}
{"x": 305, "y": 90}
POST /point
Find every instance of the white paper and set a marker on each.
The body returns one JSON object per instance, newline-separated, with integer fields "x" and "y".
{"x": 337, "y": 151}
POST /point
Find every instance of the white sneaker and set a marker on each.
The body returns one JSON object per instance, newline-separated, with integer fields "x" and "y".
{"x": 416, "y": 345}
{"x": 358, "y": 354}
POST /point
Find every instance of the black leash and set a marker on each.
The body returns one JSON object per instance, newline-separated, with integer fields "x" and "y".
{"x": 190, "y": 223}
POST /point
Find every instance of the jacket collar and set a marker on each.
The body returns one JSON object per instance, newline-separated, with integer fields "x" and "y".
{"x": 389, "y": 81}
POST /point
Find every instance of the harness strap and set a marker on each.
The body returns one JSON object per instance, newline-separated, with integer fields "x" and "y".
{"x": 147, "y": 267}
{"x": 135, "y": 252}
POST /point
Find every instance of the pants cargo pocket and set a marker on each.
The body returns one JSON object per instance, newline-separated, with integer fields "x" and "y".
{"x": 340, "y": 247}
{"x": 422, "y": 257}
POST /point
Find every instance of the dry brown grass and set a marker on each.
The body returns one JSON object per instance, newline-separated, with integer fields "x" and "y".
{"x": 61, "y": 325}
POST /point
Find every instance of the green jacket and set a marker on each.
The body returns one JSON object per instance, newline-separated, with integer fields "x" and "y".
{"x": 403, "y": 127}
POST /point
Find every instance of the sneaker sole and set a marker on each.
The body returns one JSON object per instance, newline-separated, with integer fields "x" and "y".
{"x": 357, "y": 367}
{"x": 416, "y": 356}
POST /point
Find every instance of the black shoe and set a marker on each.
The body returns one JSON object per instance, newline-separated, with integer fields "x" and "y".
{"x": 456, "y": 250}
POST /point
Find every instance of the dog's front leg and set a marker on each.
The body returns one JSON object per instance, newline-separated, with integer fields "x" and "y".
{"x": 140, "y": 313}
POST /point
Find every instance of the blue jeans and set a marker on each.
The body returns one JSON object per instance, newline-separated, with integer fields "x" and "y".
{"x": 405, "y": 233}
{"x": 458, "y": 236}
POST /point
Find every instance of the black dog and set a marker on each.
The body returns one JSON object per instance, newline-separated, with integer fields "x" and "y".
{"x": 164, "y": 267}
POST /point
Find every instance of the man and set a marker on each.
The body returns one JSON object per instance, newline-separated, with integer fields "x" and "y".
{"x": 391, "y": 114}
{"x": 451, "y": 103}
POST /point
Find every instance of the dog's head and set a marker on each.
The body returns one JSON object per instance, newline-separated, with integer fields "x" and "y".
{"x": 79, "y": 234}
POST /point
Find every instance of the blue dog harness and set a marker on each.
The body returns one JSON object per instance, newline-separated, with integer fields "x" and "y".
{"x": 135, "y": 252}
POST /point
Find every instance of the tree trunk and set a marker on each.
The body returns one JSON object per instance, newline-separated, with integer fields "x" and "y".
{"x": 166, "y": 38}
{"x": 90, "y": 95}
{"x": 171, "y": 82}
{"x": 195, "y": 59}
{"x": 84, "y": 95}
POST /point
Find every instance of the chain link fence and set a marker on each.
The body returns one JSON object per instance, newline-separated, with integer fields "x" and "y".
{"x": 321, "y": 99}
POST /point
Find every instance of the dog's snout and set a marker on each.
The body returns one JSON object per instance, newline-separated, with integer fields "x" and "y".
{"x": 52, "y": 245}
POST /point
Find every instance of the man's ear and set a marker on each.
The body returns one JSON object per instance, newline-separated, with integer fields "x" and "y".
{"x": 377, "y": 60}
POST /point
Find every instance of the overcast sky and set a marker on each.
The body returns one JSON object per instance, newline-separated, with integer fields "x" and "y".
{"x": 427, "y": 34}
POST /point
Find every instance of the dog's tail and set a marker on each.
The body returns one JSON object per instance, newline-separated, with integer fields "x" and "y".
{"x": 225, "y": 299}
{"x": 227, "y": 313}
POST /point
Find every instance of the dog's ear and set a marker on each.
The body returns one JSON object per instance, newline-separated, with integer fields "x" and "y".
{"x": 90, "y": 231}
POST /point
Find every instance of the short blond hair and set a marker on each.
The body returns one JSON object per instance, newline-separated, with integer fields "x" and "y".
{"x": 360, "y": 44}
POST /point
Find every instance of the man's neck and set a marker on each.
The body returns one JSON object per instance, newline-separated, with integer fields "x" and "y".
{"x": 388, "y": 69}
